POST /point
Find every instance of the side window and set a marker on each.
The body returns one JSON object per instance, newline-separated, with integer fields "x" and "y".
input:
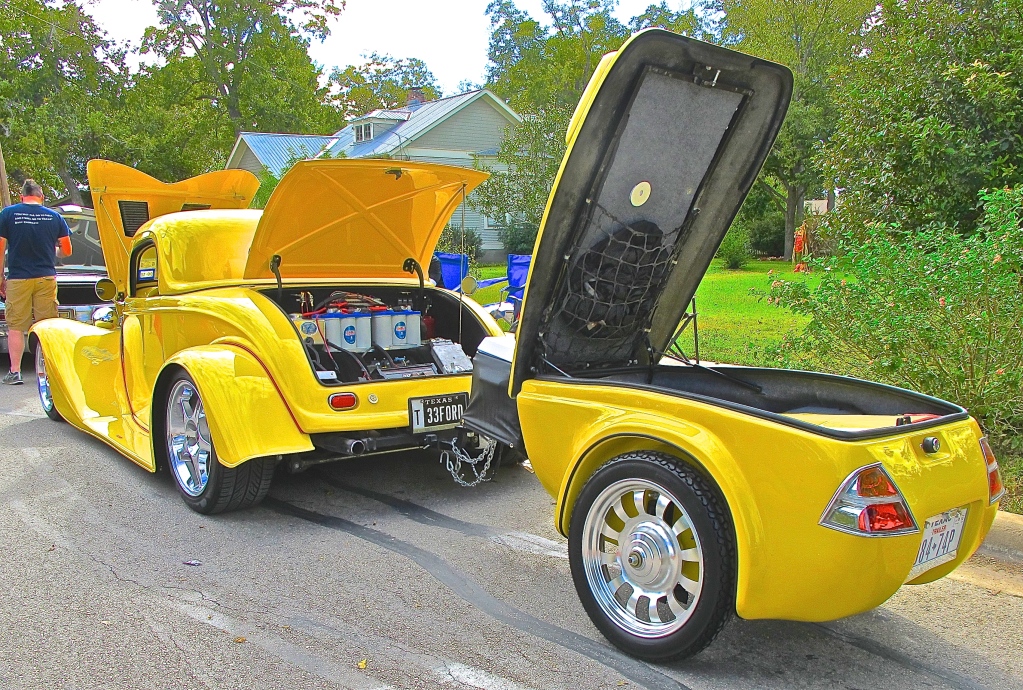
{"x": 143, "y": 271}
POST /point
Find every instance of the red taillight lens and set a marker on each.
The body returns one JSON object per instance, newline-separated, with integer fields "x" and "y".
{"x": 869, "y": 503}
{"x": 874, "y": 483}
{"x": 342, "y": 401}
{"x": 885, "y": 517}
{"x": 995, "y": 487}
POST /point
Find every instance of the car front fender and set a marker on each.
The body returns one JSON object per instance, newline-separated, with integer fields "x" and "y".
{"x": 247, "y": 415}
{"x": 83, "y": 366}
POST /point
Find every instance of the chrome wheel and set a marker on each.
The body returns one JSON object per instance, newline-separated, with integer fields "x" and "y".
{"x": 188, "y": 438}
{"x": 642, "y": 558}
{"x": 43, "y": 382}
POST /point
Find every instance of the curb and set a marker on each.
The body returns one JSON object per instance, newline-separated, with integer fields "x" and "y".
{"x": 1005, "y": 540}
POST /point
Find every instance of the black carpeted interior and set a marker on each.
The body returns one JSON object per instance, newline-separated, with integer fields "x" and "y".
{"x": 786, "y": 391}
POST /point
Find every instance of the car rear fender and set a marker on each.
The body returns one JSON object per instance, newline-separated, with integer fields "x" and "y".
{"x": 246, "y": 412}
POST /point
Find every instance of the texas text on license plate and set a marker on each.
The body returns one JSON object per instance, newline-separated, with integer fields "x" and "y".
{"x": 941, "y": 541}
{"x": 439, "y": 412}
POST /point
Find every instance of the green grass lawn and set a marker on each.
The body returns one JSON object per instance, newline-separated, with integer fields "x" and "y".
{"x": 735, "y": 324}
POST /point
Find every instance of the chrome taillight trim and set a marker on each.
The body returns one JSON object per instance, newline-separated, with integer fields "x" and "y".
{"x": 985, "y": 448}
{"x": 849, "y": 484}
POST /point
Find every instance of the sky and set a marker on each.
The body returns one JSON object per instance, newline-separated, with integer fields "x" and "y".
{"x": 449, "y": 35}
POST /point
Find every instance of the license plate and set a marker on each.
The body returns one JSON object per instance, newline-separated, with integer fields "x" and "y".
{"x": 439, "y": 412}
{"x": 941, "y": 541}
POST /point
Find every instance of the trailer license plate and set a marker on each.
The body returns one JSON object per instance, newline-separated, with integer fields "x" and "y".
{"x": 941, "y": 541}
{"x": 440, "y": 412}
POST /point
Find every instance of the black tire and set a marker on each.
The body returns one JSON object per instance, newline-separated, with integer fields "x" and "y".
{"x": 43, "y": 385}
{"x": 225, "y": 488}
{"x": 711, "y": 524}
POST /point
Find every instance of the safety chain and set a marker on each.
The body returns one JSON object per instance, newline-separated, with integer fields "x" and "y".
{"x": 454, "y": 466}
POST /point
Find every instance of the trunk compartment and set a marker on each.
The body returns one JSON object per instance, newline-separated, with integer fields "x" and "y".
{"x": 359, "y": 341}
{"x": 835, "y": 406}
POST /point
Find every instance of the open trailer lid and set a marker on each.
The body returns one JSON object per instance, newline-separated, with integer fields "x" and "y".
{"x": 356, "y": 218}
{"x": 663, "y": 147}
{"x": 126, "y": 199}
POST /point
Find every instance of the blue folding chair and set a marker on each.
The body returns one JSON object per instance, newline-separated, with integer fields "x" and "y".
{"x": 518, "y": 270}
{"x": 453, "y": 267}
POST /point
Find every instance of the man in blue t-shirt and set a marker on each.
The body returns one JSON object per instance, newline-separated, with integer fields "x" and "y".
{"x": 31, "y": 234}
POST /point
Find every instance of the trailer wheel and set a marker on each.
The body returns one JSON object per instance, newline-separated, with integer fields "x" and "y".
{"x": 652, "y": 554}
{"x": 205, "y": 485}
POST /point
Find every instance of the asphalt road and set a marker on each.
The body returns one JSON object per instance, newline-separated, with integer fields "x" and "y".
{"x": 381, "y": 573}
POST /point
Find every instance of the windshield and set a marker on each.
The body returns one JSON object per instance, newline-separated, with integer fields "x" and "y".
{"x": 85, "y": 247}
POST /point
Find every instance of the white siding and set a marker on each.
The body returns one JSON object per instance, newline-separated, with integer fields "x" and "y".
{"x": 250, "y": 162}
{"x": 476, "y": 127}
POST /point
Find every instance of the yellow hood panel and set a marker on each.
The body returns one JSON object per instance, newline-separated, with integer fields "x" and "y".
{"x": 126, "y": 199}
{"x": 356, "y": 218}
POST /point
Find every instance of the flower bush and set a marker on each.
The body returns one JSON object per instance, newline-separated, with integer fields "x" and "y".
{"x": 933, "y": 310}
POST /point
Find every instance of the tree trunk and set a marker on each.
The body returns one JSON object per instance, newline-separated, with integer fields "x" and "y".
{"x": 794, "y": 200}
{"x": 5, "y": 191}
{"x": 73, "y": 192}
{"x": 831, "y": 199}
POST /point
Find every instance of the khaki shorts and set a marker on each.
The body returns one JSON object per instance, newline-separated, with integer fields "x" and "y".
{"x": 28, "y": 298}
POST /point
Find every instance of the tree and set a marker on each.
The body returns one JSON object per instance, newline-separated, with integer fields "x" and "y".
{"x": 58, "y": 80}
{"x": 253, "y": 56}
{"x": 520, "y": 183}
{"x": 929, "y": 115}
{"x": 380, "y": 82}
{"x": 541, "y": 71}
{"x": 532, "y": 65}
{"x": 813, "y": 38}
{"x": 688, "y": 22}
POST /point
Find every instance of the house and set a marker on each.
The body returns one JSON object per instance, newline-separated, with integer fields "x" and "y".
{"x": 454, "y": 131}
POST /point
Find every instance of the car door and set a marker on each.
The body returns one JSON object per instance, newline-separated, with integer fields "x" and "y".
{"x": 140, "y": 361}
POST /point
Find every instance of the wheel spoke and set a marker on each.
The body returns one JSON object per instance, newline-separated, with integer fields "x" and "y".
{"x": 610, "y": 534}
{"x": 691, "y": 586}
{"x": 608, "y": 558}
{"x": 639, "y": 498}
{"x": 619, "y": 510}
{"x": 681, "y": 525}
{"x": 616, "y": 584}
{"x": 652, "y": 611}
{"x": 690, "y": 554}
{"x": 676, "y": 606}
{"x": 662, "y": 505}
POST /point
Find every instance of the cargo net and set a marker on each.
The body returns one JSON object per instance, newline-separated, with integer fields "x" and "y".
{"x": 613, "y": 286}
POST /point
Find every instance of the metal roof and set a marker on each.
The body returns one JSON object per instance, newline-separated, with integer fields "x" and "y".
{"x": 279, "y": 151}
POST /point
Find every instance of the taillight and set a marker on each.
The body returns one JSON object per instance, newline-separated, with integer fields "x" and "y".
{"x": 868, "y": 503}
{"x": 995, "y": 488}
{"x": 342, "y": 401}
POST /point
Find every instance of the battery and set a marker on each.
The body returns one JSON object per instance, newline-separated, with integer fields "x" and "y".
{"x": 382, "y": 328}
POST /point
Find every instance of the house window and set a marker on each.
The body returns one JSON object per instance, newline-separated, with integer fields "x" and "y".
{"x": 363, "y": 133}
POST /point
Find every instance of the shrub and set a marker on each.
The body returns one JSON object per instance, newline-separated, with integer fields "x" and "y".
{"x": 519, "y": 237}
{"x": 451, "y": 241}
{"x": 767, "y": 234}
{"x": 933, "y": 310}
{"x": 734, "y": 249}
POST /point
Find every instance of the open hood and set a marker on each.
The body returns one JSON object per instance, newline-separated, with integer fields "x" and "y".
{"x": 664, "y": 145}
{"x": 356, "y": 218}
{"x": 127, "y": 199}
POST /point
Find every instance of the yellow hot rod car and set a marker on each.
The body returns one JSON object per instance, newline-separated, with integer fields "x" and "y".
{"x": 241, "y": 339}
{"x": 689, "y": 492}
